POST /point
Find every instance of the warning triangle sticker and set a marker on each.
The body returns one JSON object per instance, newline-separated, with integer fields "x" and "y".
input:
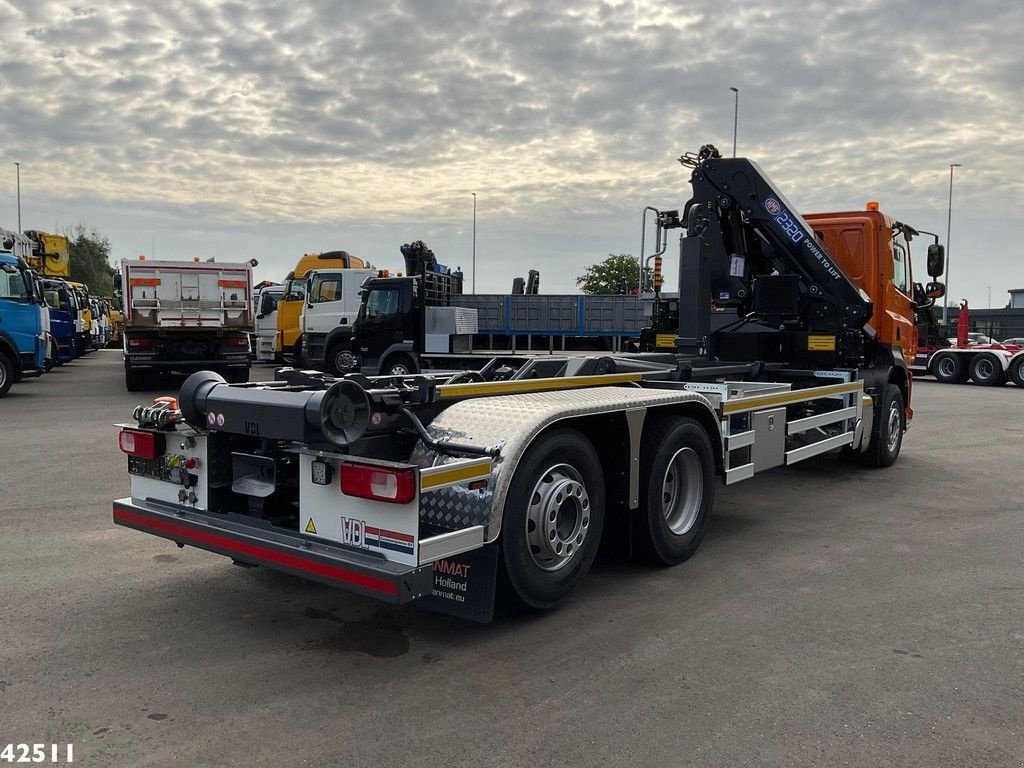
{"x": 310, "y": 526}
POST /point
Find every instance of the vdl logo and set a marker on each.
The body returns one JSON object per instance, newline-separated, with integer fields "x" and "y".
{"x": 773, "y": 206}
{"x": 353, "y": 532}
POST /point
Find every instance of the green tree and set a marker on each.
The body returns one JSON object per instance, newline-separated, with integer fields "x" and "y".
{"x": 615, "y": 275}
{"x": 90, "y": 260}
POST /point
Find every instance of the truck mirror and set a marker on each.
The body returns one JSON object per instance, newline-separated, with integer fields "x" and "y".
{"x": 935, "y": 290}
{"x": 936, "y": 260}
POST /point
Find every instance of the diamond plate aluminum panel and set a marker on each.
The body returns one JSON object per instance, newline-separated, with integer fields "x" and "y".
{"x": 513, "y": 421}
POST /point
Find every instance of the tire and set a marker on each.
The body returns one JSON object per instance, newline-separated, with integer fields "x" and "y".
{"x": 6, "y": 374}
{"x": 398, "y": 365}
{"x": 543, "y": 560}
{"x": 886, "y": 429}
{"x": 677, "y": 491}
{"x": 1017, "y": 371}
{"x": 134, "y": 381}
{"x": 986, "y": 370}
{"x": 340, "y": 360}
{"x": 949, "y": 368}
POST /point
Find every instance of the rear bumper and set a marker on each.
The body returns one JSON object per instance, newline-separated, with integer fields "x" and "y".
{"x": 155, "y": 364}
{"x": 247, "y": 541}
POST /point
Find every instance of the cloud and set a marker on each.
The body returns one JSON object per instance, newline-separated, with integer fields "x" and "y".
{"x": 362, "y": 120}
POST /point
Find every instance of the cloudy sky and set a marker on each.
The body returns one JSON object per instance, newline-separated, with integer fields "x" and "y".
{"x": 267, "y": 129}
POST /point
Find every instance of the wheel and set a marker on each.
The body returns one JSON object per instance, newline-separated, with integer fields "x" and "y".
{"x": 554, "y": 514}
{"x": 887, "y": 429}
{"x": 948, "y": 368}
{"x": 466, "y": 377}
{"x": 398, "y": 365}
{"x": 340, "y": 360}
{"x": 134, "y": 381}
{"x": 677, "y": 487}
{"x": 1017, "y": 371}
{"x": 987, "y": 370}
{"x": 6, "y": 374}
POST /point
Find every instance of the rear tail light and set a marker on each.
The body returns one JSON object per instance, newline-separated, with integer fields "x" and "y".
{"x": 144, "y": 445}
{"x": 141, "y": 343}
{"x": 367, "y": 481}
{"x": 238, "y": 341}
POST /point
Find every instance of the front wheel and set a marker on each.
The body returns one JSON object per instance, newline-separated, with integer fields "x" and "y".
{"x": 340, "y": 360}
{"x": 6, "y": 374}
{"x": 887, "y": 429}
{"x": 677, "y": 487}
{"x": 554, "y": 515}
{"x": 398, "y": 365}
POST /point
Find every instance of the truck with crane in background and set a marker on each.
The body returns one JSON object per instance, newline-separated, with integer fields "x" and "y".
{"x": 436, "y": 488}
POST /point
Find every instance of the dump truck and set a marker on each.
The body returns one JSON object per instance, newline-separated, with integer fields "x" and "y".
{"x": 185, "y": 316}
{"x": 436, "y": 489}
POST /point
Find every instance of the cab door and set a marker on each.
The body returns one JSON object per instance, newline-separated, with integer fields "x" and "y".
{"x": 899, "y": 306}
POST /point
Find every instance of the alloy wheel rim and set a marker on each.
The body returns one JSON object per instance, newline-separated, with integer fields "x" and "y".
{"x": 557, "y": 517}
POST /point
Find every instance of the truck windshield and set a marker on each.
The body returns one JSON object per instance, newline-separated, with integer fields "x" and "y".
{"x": 380, "y": 302}
{"x": 294, "y": 290}
{"x": 13, "y": 284}
{"x": 268, "y": 303}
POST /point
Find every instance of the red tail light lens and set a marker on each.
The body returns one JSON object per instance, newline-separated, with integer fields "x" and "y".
{"x": 238, "y": 341}
{"x": 141, "y": 343}
{"x": 144, "y": 445}
{"x": 397, "y": 486}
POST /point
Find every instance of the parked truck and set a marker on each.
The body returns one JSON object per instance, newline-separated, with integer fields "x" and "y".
{"x": 989, "y": 364}
{"x": 183, "y": 316}
{"x": 25, "y": 342}
{"x": 60, "y": 301}
{"x": 288, "y": 346}
{"x": 333, "y": 298}
{"x": 434, "y": 488}
{"x": 265, "y": 335}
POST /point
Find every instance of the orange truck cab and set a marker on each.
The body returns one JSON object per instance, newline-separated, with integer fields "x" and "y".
{"x": 873, "y": 250}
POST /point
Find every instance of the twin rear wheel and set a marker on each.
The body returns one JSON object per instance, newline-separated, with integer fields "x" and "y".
{"x": 555, "y": 509}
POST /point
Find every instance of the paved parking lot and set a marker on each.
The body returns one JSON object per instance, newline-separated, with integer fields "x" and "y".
{"x": 834, "y": 616}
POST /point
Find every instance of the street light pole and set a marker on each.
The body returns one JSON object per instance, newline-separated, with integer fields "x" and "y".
{"x": 735, "y": 117}
{"x": 949, "y": 222}
{"x": 18, "y": 167}
{"x": 474, "y": 242}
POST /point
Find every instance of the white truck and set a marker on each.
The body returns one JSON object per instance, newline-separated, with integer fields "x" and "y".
{"x": 185, "y": 316}
{"x": 332, "y": 304}
{"x": 265, "y": 301}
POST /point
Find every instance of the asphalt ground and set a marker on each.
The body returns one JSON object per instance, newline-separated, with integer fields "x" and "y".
{"x": 834, "y": 616}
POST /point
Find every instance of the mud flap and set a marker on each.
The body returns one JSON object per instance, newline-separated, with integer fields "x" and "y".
{"x": 464, "y": 585}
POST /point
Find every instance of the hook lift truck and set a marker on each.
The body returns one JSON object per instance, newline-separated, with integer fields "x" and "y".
{"x": 440, "y": 489}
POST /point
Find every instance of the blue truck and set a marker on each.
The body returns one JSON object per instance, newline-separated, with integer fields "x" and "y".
{"x": 63, "y": 308}
{"x": 24, "y": 338}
